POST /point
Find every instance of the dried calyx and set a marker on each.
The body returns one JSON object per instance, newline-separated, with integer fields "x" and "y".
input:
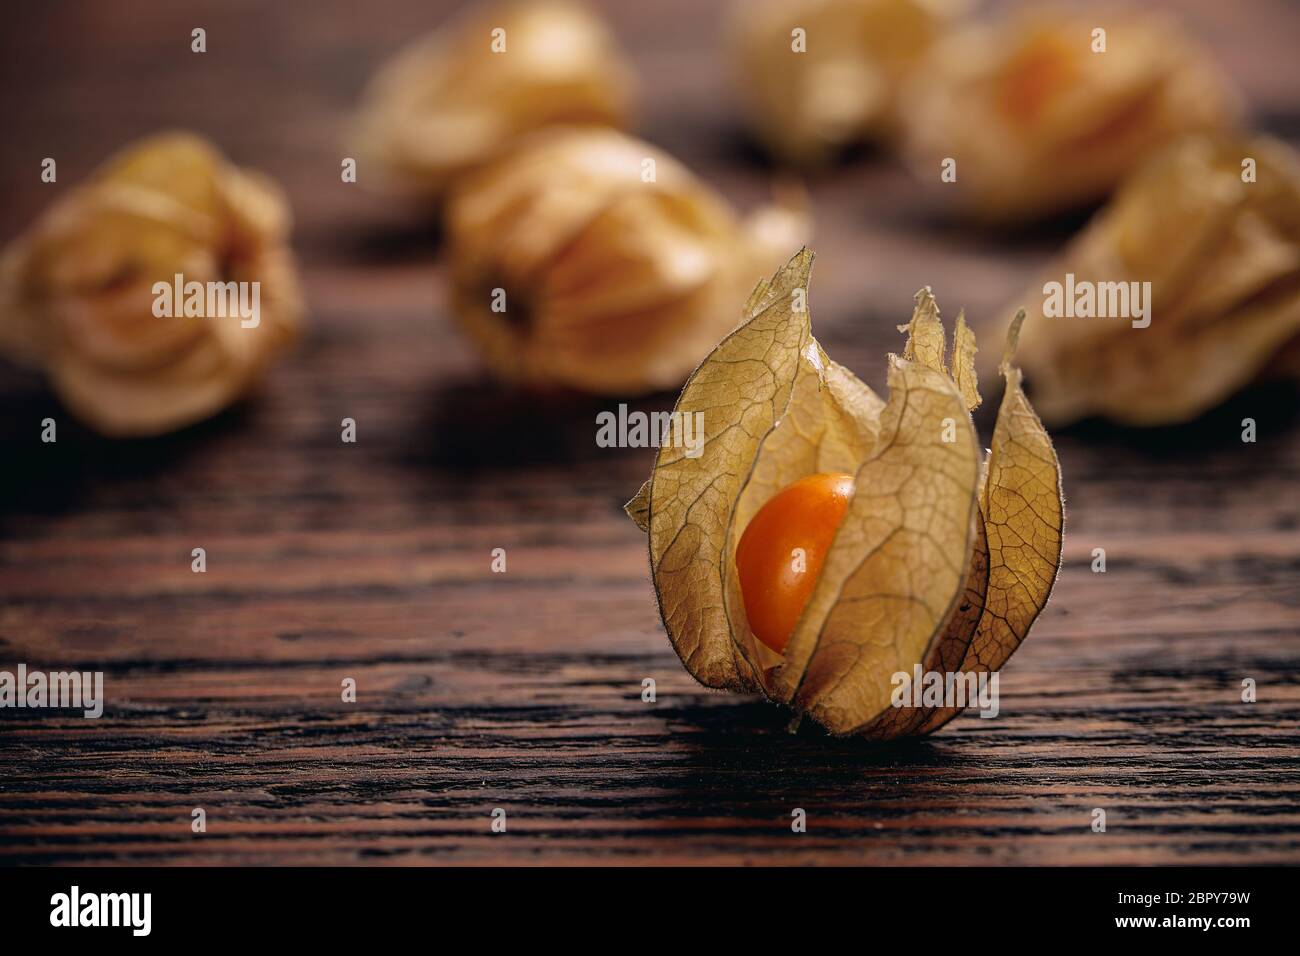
{"x": 464, "y": 95}
{"x": 943, "y": 557}
{"x": 819, "y": 75}
{"x": 1194, "y": 274}
{"x": 79, "y": 292}
{"x": 591, "y": 261}
{"x": 1046, "y": 110}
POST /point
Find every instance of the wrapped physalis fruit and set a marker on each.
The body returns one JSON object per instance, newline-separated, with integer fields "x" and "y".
{"x": 462, "y": 96}
{"x": 893, "y": 543}
{"x": 818, "y": 75}
{"x": 156, "y": 293}
{"x": 588, "y": 260}
{"x": 1185, "y": 289}
{"x": 1047, "y": 110}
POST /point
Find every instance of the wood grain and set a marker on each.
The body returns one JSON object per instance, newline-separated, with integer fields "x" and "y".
{"x": 523, "y": 690}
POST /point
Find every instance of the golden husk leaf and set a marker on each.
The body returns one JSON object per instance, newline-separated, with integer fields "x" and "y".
{"x": 77, "y": 290}
{"x": 842, "y": 86}
{"x": 1222, "y": 257}
{"x": 943, "y": 559}
{"x": 1039, "y": 120}
{"x": 590, "y": 260}
{"x": 462, "y": 96}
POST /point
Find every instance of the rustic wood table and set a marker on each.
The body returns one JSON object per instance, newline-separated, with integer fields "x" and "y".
{"x": 523, "y": 690}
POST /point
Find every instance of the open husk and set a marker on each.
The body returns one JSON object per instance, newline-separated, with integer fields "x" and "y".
{"x": 944, "y": 558}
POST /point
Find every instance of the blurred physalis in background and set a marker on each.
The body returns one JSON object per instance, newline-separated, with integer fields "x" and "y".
{"x": 1046, "y": 111}
{"x": 589, "y": 260}
{"x": 819, "y": 75}
{"x": 465, "y": 94}
{"x": 1185, "y": 289}
{"x": 155, "y": 294}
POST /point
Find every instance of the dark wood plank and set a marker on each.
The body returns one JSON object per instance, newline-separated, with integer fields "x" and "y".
{"x": 522, "y": 690}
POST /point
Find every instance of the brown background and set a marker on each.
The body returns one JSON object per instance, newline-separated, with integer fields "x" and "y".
{"x": 523, "y": 690}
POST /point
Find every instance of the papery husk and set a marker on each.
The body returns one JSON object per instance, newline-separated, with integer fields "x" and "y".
{"x": 447, "y": 104}
{"x": 930, "y": 565}
{"x": 613, "y": 285}
{"x": 1223, "y": 260}
{"x": 76, "y": 290}
{"x": 1039, "y": 124}
{"x": 844, "y": 88}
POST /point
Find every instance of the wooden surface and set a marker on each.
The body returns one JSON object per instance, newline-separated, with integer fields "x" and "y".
{"x": 522, "y": 690}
